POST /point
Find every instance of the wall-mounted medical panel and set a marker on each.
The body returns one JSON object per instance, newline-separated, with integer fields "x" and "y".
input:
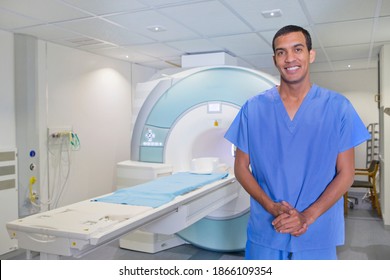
{"x": 27, "y": 122}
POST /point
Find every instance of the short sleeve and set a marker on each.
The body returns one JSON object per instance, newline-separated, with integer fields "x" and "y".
{"x": 237, "y": 133}
{"x": 353, "y": 131}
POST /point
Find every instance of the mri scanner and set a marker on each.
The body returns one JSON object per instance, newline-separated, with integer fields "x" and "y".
{"x": 179, "y": 129}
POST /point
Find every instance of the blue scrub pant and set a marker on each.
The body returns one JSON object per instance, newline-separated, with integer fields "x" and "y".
{"x": 256, "y": 252}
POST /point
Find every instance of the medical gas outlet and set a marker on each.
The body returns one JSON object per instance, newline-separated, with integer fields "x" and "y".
{"x": 32, "y": 193}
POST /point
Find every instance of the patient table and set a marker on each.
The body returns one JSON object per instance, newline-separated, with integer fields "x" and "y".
{"x": 79, "y": 228}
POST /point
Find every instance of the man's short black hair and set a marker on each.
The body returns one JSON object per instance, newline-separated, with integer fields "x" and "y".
{"x": 289, "y": 29}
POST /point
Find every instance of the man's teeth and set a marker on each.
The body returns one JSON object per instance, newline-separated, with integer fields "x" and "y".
{"x": 292, "y": 68}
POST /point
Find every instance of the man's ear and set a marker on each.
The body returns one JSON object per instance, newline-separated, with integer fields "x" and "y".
{"x": 312, "y": 55}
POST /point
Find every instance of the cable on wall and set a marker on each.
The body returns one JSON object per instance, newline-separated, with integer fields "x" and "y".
{"x": 60, "y": 145}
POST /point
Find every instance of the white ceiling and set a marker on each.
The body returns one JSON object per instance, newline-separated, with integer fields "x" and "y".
{"x": 345, "y": 32}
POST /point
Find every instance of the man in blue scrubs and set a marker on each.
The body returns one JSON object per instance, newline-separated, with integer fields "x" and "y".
{"x": 295, "y": 157}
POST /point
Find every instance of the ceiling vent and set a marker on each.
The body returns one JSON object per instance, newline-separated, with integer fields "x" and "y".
{"x": 84, "y": 41}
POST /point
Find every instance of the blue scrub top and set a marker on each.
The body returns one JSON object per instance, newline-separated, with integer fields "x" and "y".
{"x": 295, "y": 160}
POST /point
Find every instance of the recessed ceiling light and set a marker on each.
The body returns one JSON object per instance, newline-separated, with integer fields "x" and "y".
{"x": 272, "y": 13}
{"x": 156, "y": 28}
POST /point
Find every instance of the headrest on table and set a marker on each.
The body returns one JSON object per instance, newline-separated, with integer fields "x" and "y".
{"x": 206, "y": 165}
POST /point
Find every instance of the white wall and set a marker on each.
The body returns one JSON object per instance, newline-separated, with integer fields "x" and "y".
{"x": 92, "y": 95}
{"x": 360, "y": 87}
{"x": 7, "y": 103}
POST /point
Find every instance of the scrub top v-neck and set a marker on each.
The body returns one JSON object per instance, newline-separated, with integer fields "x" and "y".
{"x": 294, "y": 160}
{"x": 291, "y": 123}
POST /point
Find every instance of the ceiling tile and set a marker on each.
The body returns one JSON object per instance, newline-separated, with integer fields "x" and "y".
{"x": 348, "y": 52}
{"x": 11, "y": 21}
{"x": 321, "y": 67}
{"x": 321, "y": 11}
{"x": 161, "y": 3}
{"x": 234, "y": 44}
{"x": 124, "y": 54}
{"x": 44, "y": 10}
{"x": 156, "y": 50}
{"x": 195, "y": 46}
{"x": 263, "y": 61}
{"x": 385, "y": 9}
{"x": 140, "y": 21}
{"x": 353, "y": 64}
{"x": 382, "y": 31}
{"x": 250, "y": 11}
{"x": 102, "y": 30}
{"x": 208, "y": 18}
{"x": 344, "y": 33}
{"x": 101, "y": 7}
{"x": 47, "y": 32}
